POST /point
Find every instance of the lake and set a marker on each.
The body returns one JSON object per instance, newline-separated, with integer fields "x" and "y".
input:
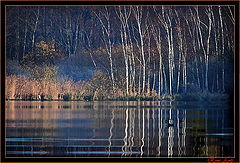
{"x": 118, "y": 129}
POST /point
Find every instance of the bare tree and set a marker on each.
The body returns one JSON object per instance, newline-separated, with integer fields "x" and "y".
{"x": 204, "y": 48}
{"x": 25, "y": 35}
{"x": 89, "y": 37}
{"x": 222, "y": 44}
{"x": 132, "y": 64}
{"x": 157, "y": 37}
{"x": 138, "y": 14}
{"x": 167, "y": 24}
{"x": 180, "y": 56}
{"x": 35, "y": 27}
{"x": 104, "y": 19}
{"x": 123, "y": 14}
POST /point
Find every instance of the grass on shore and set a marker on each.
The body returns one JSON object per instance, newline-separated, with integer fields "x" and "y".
{"x": 196, "y": 97}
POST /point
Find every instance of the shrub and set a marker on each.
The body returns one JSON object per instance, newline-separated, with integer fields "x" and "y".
{"x": 202, "y": 97}
{"x": 88, "y": 98}
{"x": 136, "y": 98}
{"x": 190, "y": 97}
{"x": 148, "y": 98}
{"x": 133, "y": 98}
{"x": 166, "y": 97}
{"x": 176, "y": 97}
{"x": 127, "y": 98}
{"x": 67, "y": 97}
{"x": 79, "y": 96}
{"x": 218, "y": 97}
{"x": 49, "y": 98}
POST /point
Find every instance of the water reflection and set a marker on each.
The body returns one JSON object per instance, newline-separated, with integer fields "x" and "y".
{"x": 123, "y": 129}
{"x": 111, "y": 133}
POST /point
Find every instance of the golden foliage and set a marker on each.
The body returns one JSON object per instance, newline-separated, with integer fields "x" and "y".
{"x": 23, "y": 88}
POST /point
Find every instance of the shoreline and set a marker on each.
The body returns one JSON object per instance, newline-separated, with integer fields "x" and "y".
{"x": 197, "y": 97}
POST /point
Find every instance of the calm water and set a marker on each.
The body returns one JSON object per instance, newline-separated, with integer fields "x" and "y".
{"x": 122, "y": 129}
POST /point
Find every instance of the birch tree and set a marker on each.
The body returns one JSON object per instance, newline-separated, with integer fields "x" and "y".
{"x": 123, "y": 14}
{"x": 25, "y": 35}
{"x": 167, "y": 23}
{"x": 35, "y": 27}
{"x": 72, "y": 30}
{"x": 132, "y": 63}
{"x": 180, "y": 37}
{"x": 104, "y": 19}
{"x": 204, "y": 48}
{"x": 157, "y": 37}
{"x": 138, "y": 14}
{"x": 222, "y": 45}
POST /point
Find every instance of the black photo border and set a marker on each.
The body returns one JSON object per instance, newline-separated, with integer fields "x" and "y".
{"x": 94, "y": 3}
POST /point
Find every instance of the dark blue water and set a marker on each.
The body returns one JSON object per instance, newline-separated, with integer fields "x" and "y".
{"x": 118, "y": 129}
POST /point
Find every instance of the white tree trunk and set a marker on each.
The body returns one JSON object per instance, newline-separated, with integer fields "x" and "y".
{"x": 222, "y": 44}
{"x": 138, "y": 17}
{"x": 35, "y": 28}
{"x": 106, "y": 32}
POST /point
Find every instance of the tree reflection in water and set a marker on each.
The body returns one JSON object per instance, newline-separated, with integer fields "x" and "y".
{"x": 122, "y": 129}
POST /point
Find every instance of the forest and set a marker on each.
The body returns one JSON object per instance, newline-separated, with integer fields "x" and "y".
{"x": 119, "y": 52}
